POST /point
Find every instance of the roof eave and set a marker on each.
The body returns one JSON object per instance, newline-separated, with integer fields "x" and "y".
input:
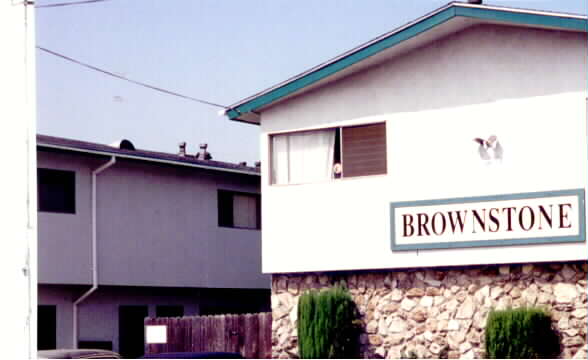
{"x": 246, "y": 109}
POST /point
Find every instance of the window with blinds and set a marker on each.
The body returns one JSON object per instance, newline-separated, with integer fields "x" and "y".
{"x": 319, "y": 155}
{"x": 363, "y": 150}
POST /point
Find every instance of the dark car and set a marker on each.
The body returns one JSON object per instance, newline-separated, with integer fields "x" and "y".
{"x": 194, "y": 355}
{"x": 77, "y": 354}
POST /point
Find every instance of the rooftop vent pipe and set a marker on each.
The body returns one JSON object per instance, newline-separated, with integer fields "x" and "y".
{"x": 203, "y": 154}
{"x": 182, "y": 151}
{"x": 475, "y": 1}
{"x": 243, "y": 163}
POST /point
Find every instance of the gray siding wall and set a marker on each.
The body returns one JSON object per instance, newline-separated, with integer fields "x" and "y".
{"x": 156, "y": 226}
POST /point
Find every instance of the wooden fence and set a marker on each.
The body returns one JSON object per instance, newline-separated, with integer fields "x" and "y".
{"x": 250, "y": 334}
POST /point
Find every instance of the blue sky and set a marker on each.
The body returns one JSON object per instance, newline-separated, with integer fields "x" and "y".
{"x": 217, "y": 50}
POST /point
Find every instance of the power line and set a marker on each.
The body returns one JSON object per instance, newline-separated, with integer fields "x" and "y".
{"x": 109, "y": 73}
{"x": 69, "y": 3}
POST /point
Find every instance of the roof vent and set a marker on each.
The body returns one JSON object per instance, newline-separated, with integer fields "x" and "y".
{"x": 474, "y": 1}
{"x": 123, "y": 144}
{"x": 258, "y": 164}
{"x": 182, "y": 146}
{"x": 243, "y": 163}
{"x": 203, "y": 154}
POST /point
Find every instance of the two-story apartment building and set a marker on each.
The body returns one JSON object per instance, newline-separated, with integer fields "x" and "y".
{"x": 439, "y": 171}
{"x": 127, "y": 233}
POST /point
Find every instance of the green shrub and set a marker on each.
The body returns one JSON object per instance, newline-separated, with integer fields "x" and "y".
{"x": 327, "y": 325}
{"x": 523, "y": 333}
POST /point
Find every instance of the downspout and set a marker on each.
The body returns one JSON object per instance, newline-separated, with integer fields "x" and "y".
{"x": 95, "y": 172}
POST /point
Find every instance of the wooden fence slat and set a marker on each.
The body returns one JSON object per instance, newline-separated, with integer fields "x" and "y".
{"x": 265, "y": 335}
{"x": 171, "y": 342}
{"x": 233, "y": 330}
{"x": 196, "y": 339}
{"x": 251, "y": 340}
{"x": 216, "y": 324}
{"x": 241, "y": 331}
{"x": 171, "y": 335}
{"x": 246, "y": 338}
{"x": 203, "y": 336}
{"x": 207, "y": 334}
{"x": 223, "y": 331}
{"x": 214, "y": 332}
{"x": 187, "y": 333}
{"x": 179, "y": 334}
{"x": 226, "y": 336}
{"x": 220, "y": 333}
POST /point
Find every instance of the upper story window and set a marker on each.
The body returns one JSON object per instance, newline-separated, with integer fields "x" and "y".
{"x": 239, "y": 210}
{"x": 56, "y": 191}
{"x": 318, "y": 155}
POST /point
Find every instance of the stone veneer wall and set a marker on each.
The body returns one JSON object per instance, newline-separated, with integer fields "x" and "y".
{"x": 439, "y": 312}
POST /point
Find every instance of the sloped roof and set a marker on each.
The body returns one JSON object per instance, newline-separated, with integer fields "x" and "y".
{"x": 441, "y": 22}
{"x": 58, "y": 143}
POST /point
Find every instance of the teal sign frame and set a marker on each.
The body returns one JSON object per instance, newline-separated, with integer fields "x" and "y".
{"x": 580, "y": 237}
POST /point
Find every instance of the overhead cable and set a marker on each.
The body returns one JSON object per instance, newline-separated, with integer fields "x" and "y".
{"x": 109, "y": 73}
{"x": 83, "y": 2}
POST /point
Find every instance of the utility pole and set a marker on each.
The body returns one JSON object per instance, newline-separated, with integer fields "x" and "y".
{"x": 18, "y": 195}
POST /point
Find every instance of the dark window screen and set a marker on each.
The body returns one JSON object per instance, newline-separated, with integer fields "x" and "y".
{"x": 56, "y": 191}
{"x": 169, "y": 311}
{"x": 225, "y": 208}
{"x": 47, "y": 327}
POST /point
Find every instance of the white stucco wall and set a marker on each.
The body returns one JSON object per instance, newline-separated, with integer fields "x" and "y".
{"x": 526, "y": 86}
{"x": 18, "y": 191}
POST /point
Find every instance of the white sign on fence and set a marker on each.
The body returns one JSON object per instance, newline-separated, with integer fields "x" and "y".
{"x": 156, "y": 334}
{"x": 556, "y": 216}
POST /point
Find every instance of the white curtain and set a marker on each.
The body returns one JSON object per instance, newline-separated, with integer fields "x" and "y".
{"x": 303, "y": 157}
{"x": 280, "y": 159}
{"x": 244, "y": 211}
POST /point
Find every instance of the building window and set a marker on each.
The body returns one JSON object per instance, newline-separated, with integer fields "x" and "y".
{"x": 319, "y": 155}
{"x": 169, "y": 311}
{"x": 56, "y": 191}
{"x": 46, "y": 327}
{"x": 239, "y": 210}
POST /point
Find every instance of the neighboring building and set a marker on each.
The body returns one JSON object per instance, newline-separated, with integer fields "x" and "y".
{"x": 18, "y": 249}
{"x": 371, "y": 175}
{"x": 167, "y": 235}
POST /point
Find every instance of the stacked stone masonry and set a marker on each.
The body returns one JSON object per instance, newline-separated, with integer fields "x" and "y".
{"x": 436, "y": 313}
